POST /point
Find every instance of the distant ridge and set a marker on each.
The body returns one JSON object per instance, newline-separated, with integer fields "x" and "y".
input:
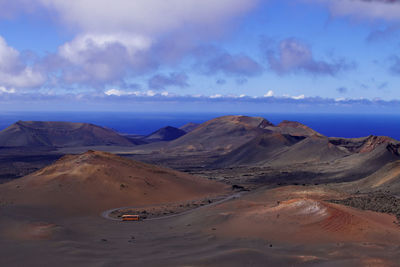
{"x": 253, "y": 141}
{"x": 32, "y": 134}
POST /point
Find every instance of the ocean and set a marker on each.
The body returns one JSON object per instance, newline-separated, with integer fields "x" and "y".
{"x": 338, "y": 125}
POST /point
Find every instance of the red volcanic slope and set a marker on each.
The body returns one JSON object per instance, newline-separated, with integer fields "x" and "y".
{"x": 96, "y": 181}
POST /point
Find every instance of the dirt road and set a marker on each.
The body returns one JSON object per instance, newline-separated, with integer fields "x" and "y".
{"x": 106, "y": 214}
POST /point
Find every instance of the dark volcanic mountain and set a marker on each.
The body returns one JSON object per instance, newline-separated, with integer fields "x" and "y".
{"x": 254, "y": 140}
{"x": 32, "y": 134}
{"x": 165, "y": 134}
{"x": 236, "y": 141}
{"x": 285, "y": 144}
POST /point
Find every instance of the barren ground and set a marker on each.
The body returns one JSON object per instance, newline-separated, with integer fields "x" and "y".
{"x": 240, "y": 232}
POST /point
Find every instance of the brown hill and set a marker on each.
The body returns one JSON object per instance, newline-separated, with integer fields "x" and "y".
{"x": 386, "y": 179}
{"x": 358, "y": 163}
{"x": 258, "y": 150}
{"x": 311, "y": 149}
{"x": 189, "y": 127}
{"x": 220, "y": 135}
{"x": 283, "y": 150}
{"x": 96, "y": 181}
{"x": 59, "y": 134}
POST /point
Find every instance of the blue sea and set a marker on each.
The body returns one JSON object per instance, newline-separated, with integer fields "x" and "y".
{"x": 338, "y": 125}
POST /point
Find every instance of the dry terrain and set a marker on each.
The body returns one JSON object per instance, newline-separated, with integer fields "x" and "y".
{"x": 234, "y": 191}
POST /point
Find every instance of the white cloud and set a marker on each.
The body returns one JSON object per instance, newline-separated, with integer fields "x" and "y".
{"x": 298, "y": 97}
{"x": 121, "y": 38}
{"x": 146, "y": 16}
{"x": 8, "y": 56}
{"x": 77, "y": 50}
{"x": 115, "y": 92}
{"x": 7, "y": 91}
{"x": 270, "y": 93}
{"x": 102, "y": 58}
{"x": 216, "y": 96}
{"x": 118, "y": 92}
{"x": 150, "y": 93}
{"x": 124, "y": 37}
{"x": 13, "y": 71}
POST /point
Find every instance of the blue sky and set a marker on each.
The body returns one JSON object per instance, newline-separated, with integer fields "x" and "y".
{"x": 173, "y": 53}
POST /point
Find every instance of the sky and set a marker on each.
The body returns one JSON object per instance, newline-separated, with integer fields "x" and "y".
{"x": 192, "y": 55}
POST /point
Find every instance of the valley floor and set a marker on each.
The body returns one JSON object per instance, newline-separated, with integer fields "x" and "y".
{"x": 288, "y": 226}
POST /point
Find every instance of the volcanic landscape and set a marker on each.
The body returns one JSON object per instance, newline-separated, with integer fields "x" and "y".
{"x": 233, "y": 191}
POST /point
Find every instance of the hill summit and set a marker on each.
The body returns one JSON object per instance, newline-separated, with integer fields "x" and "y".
{"x": 95, "y": 181}
{"x": 168, "y": 133}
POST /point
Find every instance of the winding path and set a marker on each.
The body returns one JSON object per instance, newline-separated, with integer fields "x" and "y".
{"x": 106, "y": 214}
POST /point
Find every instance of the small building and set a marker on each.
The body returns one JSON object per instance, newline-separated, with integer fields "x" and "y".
{"x": 130, "y": 218}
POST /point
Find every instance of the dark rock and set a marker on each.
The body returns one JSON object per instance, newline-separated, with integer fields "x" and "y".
{"x": 239, "y": 188}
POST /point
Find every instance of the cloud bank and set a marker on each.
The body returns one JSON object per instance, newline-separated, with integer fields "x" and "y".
{"x": 150, "y": 101}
